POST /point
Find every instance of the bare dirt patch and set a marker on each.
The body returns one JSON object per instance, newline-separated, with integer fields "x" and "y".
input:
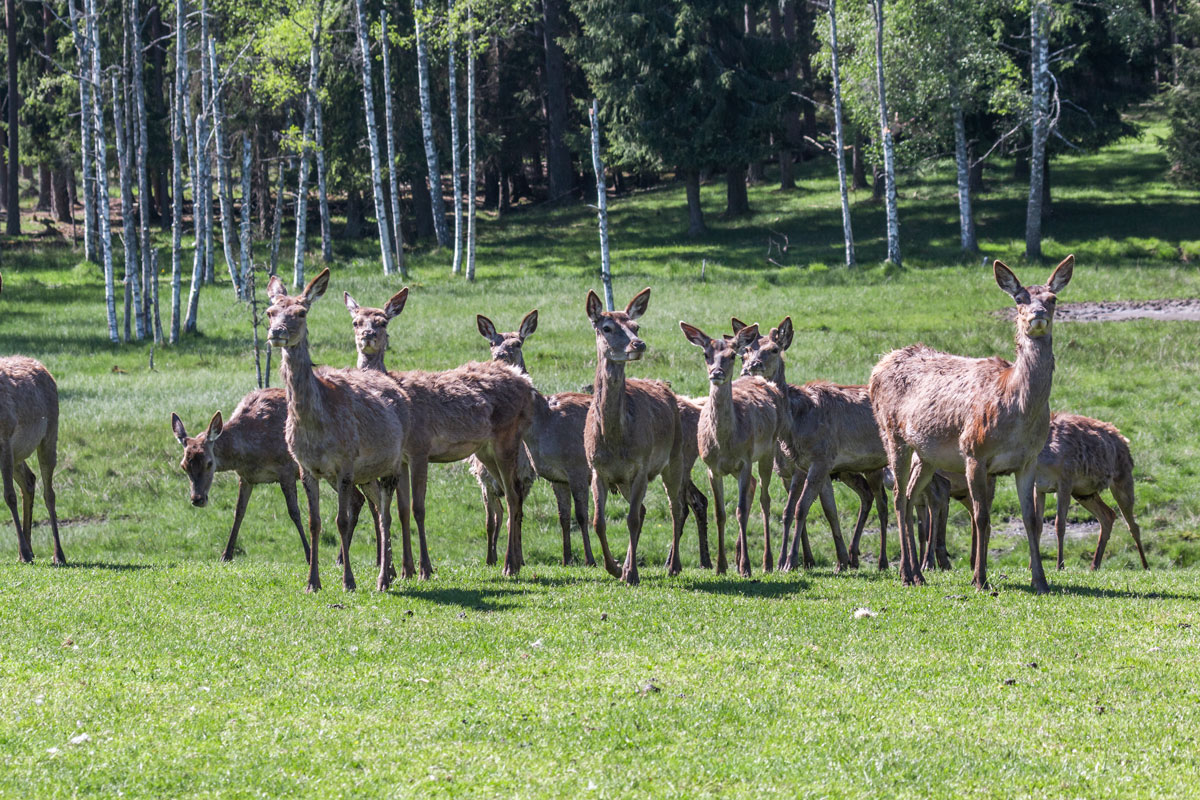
{"x": 1171, "y": 309}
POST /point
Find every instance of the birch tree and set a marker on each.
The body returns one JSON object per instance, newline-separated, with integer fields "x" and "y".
{"x": 322, "y": 195}
{"x": 102, "y": 205}
{"x": 247, "y": 242}
{"x": 381, "y": 214}
{"x": 1039, "y": 25}
{"x": 472, "y": 168}
{"x": 140, "y": 165}
{"x": 200, "y": 218}
{"x": 204, "y": 168}
{"x": 133, "y": 290}
{"x": 601, "y": 207}
{"x": 178, "y": 135}
{"x": 83, "y": 52}
{"x": 389, "y": 130}
{"x": 889, "y": 150}
{"x": 224, "y": 186}
{"x": 455, "y": 172}
{"x": 431, "y": 153}
{"x": 310, "y": 104}
{"x": 839, "y": 135}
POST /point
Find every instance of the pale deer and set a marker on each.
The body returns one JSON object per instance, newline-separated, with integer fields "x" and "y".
{"x": 480, "y": 408}
{"x": 344, "y": 426}
{"x": 28, "y": 423}
{"x": 251, "y": 444}
{"x": 633, "y": 433}
{"x": 978, "y": 416}
{"x": 738, "y": 430}
{"x": 831, "y": 434}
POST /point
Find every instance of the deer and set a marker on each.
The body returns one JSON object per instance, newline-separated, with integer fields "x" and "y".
{"x": 480, "y": 408}
{"x": 832, "y": 434}
{"x": 972, "y": 416}
{"x": 632, "y": 434}
{"x": 252, "y": 445}
{"x": 348, "y": 427}
{"x": 28, "y": 424}
{"x": 738, "y": 429}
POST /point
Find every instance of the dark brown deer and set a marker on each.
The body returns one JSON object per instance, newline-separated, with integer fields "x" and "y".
{"x": 345, "y": 426}
{"x": 251, "y": 444}
{"x": 633, "y": 433}
{"x": 978, "y": 416}
{"x": 481, "y": 409}
{"x": 28, "y": 424}
{"x": 738, "y": 430}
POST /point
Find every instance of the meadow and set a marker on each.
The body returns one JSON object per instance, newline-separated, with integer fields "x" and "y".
{"x": 195, "y": 678}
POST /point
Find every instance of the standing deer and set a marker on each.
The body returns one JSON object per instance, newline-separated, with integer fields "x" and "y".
{"x": 738, "y": 429}
{"x": 633, "y": 433}
{"x": 346, "y": 426}
{"x": 832, "y": 434}
{"x": 28, "y": 423}
{"x": 253, "y": 445}
{"x": 978, "y": 416}
{"x": 481, "y": 409}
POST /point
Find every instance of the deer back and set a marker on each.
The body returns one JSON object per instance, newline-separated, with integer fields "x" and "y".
{"x": 28, "y": 404}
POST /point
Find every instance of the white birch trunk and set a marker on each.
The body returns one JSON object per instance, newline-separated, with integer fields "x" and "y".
{"x": 471, "y": 166}
{"x": 202, "y": 142}
{"x": 310, "y": 97}
{"x": 133, "y": 289}
{"x": 381, "y": 214}
{"x": 962, "y": 164}
{"x": 224, "y": 185}
{"x": 102, "y": 208}
{"x": 199, "y": 259}
{"x": 1040, "y": 68}
{"x": 431, "y": 153}
{"x": 277, "y": 219}
{"x": 389, "y": 128}
{"x": 247, "y": 243}
{"x": 158, "y": 330}
{"x": 889, "y": 151}
{"x": 83, "y": 51}
{"x": 178, "y": 134}
{"x": 847, "y": 233}
{"x": 141, "y": 167}
{"x": 601, "y": 206}
{"x": 455, "y": 172}
{"x": 322, "y": 196}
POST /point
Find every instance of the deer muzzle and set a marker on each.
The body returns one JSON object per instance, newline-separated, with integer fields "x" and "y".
{"x": 1039, "y": 325}
{"x": 199, "y": 500}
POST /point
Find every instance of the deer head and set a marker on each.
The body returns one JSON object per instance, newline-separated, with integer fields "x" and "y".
{"x": 198, "y": 462}
{"x": 617, "y": 331}
{"x": 1035, "y": 304}
{"x": 762, "y": 355}
{"x": 370, "y": 324}
{"x": 719, "y": 354}
{"x": 286, "y": 317}
{"x": 506, "y": 347}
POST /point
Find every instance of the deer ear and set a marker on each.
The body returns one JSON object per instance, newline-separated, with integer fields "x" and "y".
{"x": 1007, "y": 280}
{"x": 745, "y": 337}
{"x": 487, "y": 328}
{"x": 215, "y": 426}
{"x": 783, "y": 334}
{"x": 638, "y": 305}
{"x": 275, "y": 288}
{"x": 528, "y": 325}
{"x": 177, "y": 428}
{"x": 1062, "y": 275}
{"x": 316, "y": 287}
{"x": 594, "y": 307}
{"x": 351, "y": 305}
{"x": 736, "y": 323}
{"x": 396, "y": 304}
{"x": 694, "y": 334}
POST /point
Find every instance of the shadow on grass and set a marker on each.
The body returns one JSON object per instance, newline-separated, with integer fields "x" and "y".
{"x": 105, "y": 566}
{"x": 754, "y": 587}
{"x": 477, "y": 599}
{"x": 1093, "y": 591}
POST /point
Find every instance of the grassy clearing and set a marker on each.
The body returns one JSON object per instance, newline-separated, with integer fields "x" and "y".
{"x": 196, "y": 678}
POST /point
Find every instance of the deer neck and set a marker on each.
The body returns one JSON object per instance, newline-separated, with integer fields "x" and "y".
{"x": 1032, "y": 372}
{"x": 372, "y": 361}
{"x": 720, "y": 398}
{"x": 301, "y": 385}
{"x": 223, "y": 451}
{"x": 610, "y": 395}
{"x": 779, "y": 378}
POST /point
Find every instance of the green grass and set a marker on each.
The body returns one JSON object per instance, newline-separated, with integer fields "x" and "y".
{"x": 198, "y": 678}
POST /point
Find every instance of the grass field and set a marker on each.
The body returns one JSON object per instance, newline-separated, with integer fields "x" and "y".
{"x": 195, "y": 678}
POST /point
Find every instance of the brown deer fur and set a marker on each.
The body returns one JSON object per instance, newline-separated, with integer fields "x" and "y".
{"x": 479, "y": 408}
{"x": 251, "y": 444}
{"x": 738, "y": 429}
{"x": 978, "y": 416}
{"x": 633, "y": 433}
{"x": 28, "y": 423}
{"x": 832, "y": 434}
{"x": 345, "y": 426}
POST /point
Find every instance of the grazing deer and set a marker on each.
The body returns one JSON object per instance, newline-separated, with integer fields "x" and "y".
{"x": 738, "y": 429}
{"x": 28, "y": 423}
{"x": 1081, "y": 459}
{"x": 633, "y": 433}
{"x": 481, "y": 409}
{"x": 253, "y": 445}
{"x": 978, "y": 416}
{"x": 832, "y": 434}
{"x": 346, "y": 426}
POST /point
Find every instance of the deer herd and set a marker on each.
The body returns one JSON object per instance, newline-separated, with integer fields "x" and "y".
{"x": 934, "y": 426}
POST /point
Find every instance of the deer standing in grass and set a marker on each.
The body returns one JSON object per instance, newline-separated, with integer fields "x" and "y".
{"x": 28, "y": 423}
{"x": 978, "y": 416}
{"x": 738, "y": 429}
{"x": 345, "y": 426}
{"x": 633, "y": 433}
{"x": 831, "y": 434}
{"x": 253, "y": 445}
{"x": 480, "y": 408}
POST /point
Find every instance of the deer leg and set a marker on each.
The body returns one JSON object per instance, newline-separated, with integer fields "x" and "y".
{"x": 789, "y": 514}
{"x": 1122, "y": 492}
{"x": 579, "y": 497}
{"x": 743, "y": 514}
{"x": 634, "y": 520}
{"x": 1106, "y": 517}
{"x": 562, "y": 499}
{"x": 1063, "y": 505}
{"x": 239, "y": 511}
{"x": 47, "y": 461}
{"x": 860, "y": 487}
{"x": 506, "y": 462}
{"x": 902, "y": 466}
{"x": 600, "y": 524}
{"x": 27, "y": 484}
{"x": 698, "y": 503}
{"x": 419, "y": 471}
{"x": 345, "y": 491}
{"x": 381, "y": 505}
{"x": 288, "y": 487}
{"x": 764, "y": 502}
{"x": 404, "y": 512}
{"x": 977, "y": 489}
{"x": 675, "y": 484}
{"x": 492, "y": 510}
{"x": 924, "y": 533}
{"x": 716, "y": 483}
{"x": 918, "y": 481}
{"x": 818, "y": 476}
{"x": 1025, "y": 482}
{"x": 941, "y": 513}
{"x": 875, "y": 480}
{"x": 312, "y": 491}
{"x": 24, "y": 551}
{"x": 829, "y": 510}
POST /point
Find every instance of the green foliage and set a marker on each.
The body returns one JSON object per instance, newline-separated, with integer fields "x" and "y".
{"x": 1183, "y": 103}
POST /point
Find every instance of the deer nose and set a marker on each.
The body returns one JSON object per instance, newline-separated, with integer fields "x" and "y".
{"x": 199, "y": 501}
{"x": 637, "y": 345}
{"x": 716, "y": 375}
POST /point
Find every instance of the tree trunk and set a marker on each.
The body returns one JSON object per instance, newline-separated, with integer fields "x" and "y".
{"x": 1040, "y": 43}
{"x": 737, "y": 202}
{"x": 860, "y": 163}
{"x": 889, "y": 154}
{"x": 202, "y": 142}
{"x": 133, "y": 268}
{"x": 322, "y": 194}
{"x": 1047, "y": 209}
{"x": 455, "y": 171}
{"x": 472, "y": 164}
{"x": 977, "y": 178}
{"x": 102, "y": 209}
{"x": 601, "y": 207}
{"x": 60, "y": 198}
{"x": 277, "y": 218}
{"x": 393, "y": 182}
{"x": 141, "y": 166}
{"x": 962, "y": 162}
{"x": 381, "y": 214}
{"x": 691, "y": 182}
{"x": 178, "y": 135}
{"x": 199, "y": 218}
{"x": 247, "y": 243}
{"x": 804, "y": 22}
{"x": 43, "y": 196}
{"x": 310, "y": 105}
{"x": 354, "y": 215}
{"x": 87, "y": 144}
{"x": 431, "y": 155}
{"x": 558, "y": 158}
{"x": 13, "y": 226}
{"x": 839, "y": 137}
{"x": 229, "y": 238}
